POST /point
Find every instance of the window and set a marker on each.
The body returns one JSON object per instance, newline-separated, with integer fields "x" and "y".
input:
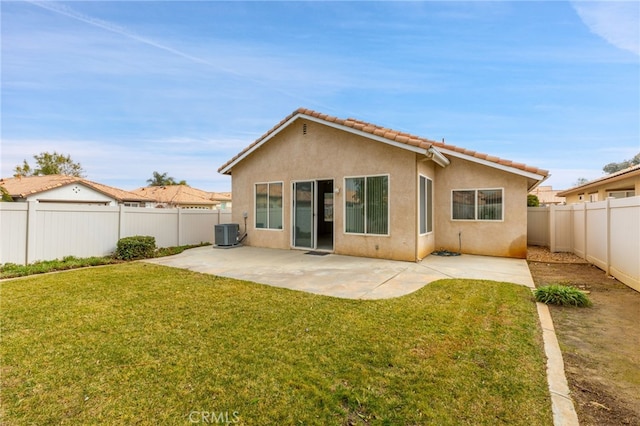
{"x": 269, "y": 205}
{"x": 622, "y": 194}
{"x": 426, "y": 205}
{"x": 477, "y": 204}
{"x": 367, "y": 205}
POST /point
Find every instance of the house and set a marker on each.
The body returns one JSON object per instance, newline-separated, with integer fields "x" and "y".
{"x": 317, "y": 182}
{"x": 621, "y": 184}
{"x": 69, "y": 189}
{"x": 223, "y": 199}
{"x": 547, "y": 195}
{"x": 181, "y": 196}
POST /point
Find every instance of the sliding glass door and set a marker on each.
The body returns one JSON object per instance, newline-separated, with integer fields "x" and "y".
{"x": 303, "y": 208}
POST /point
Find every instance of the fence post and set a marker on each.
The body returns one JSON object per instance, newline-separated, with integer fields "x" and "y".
{"x": 32, "y": 232}
{"x": 552, "y": 228}
{"x": 179, "y": 243}
{"x": 121, "y": 219}
{"x": 608, "y": 237}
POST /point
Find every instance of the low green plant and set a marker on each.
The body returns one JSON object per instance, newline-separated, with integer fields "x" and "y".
{"x": 562, "y": 295}
{"x": 13, "y": 270}
{"x": 136, "y": 247}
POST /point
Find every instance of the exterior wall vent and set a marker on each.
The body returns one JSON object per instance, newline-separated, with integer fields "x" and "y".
{"x": 304, "y": 128}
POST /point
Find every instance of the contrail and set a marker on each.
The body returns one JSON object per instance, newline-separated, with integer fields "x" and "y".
{"x": 74, "y": 14}
{"x": 71, "y": 13}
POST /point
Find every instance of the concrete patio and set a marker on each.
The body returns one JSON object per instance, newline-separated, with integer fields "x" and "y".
{"x": 344, "y": 276}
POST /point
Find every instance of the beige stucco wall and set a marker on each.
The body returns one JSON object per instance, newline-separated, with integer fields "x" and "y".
{"x": 327, "y": 153}
{"x": 506, "y": 238}
{"x": 603, "y": 189}
{"x": 426, "y": 242}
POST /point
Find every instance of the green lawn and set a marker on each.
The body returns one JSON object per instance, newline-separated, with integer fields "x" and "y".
{"x": 145, "y": 344}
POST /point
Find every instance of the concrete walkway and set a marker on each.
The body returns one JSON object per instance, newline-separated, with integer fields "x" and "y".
{"x": 362, "y": 278}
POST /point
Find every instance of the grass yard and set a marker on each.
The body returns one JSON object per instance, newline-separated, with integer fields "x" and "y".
{"x": 146, "y": 344}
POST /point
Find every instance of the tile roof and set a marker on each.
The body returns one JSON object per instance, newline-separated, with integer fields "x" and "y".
{"x": 389, "y": 134}
{"x": 22, "y": 187}
{"x": 177, "y": 195}
{"x": 621, "y": 174}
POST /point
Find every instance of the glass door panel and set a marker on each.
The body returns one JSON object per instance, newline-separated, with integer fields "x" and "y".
{"x": 303, "y": 226}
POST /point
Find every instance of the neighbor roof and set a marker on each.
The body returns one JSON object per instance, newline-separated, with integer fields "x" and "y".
{"x": 619, "y": 175}
{"x": 24, "y": 186}
{"x": 398, "y": 138}
{"x": 177, "y": 195}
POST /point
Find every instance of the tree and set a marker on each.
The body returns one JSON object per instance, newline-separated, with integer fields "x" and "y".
{"x": 616, "y": 167}
{"x": 50, "y": 164}
{"x": 532, "y": 200}
{"x": 580, "y": 181}
{"x": 5, "y": 194}
{"x": 163, "y": 180}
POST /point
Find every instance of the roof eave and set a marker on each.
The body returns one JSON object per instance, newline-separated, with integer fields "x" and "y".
{"x": 226, "y": 169}
{"x": 538, "y": 177}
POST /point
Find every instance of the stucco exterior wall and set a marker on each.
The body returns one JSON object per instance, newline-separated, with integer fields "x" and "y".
{"x": 325, "y": 153}
{"x": 426, "y": 242}
{"x": 602, "y": 190}
{"x": 506, "y": 238}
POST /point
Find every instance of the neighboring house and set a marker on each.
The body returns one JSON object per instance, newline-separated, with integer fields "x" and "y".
{"x": 621, "y": 184}
{"x": 69, "y": 189}
{"x": 316, "y": 182}
{"x": 223, "y": 198}
{"x": 547, "y": 195}
{"x": 178, "y": 196}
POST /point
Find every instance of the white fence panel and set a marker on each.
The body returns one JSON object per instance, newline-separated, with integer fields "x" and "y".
{"x": 605, "y": 233}
{"x": 625, "y": 231}
{"x": 162, "y": 224}
{"x": 560, "y": 228}
{"x": 46, "y": 231}
{"x": 538, "y": 226}
{"x": 596, "y": 234}
{"x": 73, "y": 230}
{"x": 579, "y": 230}
{"x": 13, "y": 231}
{"x": 197, "y": 226}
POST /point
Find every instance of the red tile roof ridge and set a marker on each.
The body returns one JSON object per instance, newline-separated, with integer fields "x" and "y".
{"x": 390, "y": 134}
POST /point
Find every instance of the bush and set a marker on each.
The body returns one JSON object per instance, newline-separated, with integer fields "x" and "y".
{"x": 136, "y": 247}
{"x": 562, "y": 295}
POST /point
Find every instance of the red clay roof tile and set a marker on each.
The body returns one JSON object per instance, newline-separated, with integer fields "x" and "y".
{"x": 390, "y": 134}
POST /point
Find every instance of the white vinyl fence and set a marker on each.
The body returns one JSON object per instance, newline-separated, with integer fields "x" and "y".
{"x": 46, "y": 231}
{"x": 604, "y": 233}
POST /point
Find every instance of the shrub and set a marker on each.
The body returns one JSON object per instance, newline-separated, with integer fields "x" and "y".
{"x": 136, "y": 247}
{"x": 562, "y": 295}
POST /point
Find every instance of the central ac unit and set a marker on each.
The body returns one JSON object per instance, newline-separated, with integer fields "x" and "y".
{"x": 226, "y": 234}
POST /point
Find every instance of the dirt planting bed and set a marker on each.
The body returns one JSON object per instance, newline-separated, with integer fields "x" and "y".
{"x": 601, "y": 344}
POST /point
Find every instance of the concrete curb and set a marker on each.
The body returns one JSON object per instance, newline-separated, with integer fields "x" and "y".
{"x": 564, "y": 413}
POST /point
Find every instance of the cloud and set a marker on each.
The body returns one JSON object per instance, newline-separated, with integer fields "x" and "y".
{"x": 618, "y": 22}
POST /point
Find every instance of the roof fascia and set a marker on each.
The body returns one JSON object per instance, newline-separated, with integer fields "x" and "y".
{"x": 529, "y": 175}
{"x": 596, "y": 183}
{"x": 267, "y": 138}
{"x": 366, "y": 135}
{"x": 230, "y": 166}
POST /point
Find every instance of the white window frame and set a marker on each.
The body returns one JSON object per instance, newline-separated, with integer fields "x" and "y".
{"x": 423, "y": 209}
{"x": 365, "y": 177}
{"x": 626, "y": 193}
{"x": 255, "y": 207}
{"x": 475, "y": 206}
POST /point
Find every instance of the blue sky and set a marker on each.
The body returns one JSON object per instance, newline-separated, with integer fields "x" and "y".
{"x": 128, "y": 88}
